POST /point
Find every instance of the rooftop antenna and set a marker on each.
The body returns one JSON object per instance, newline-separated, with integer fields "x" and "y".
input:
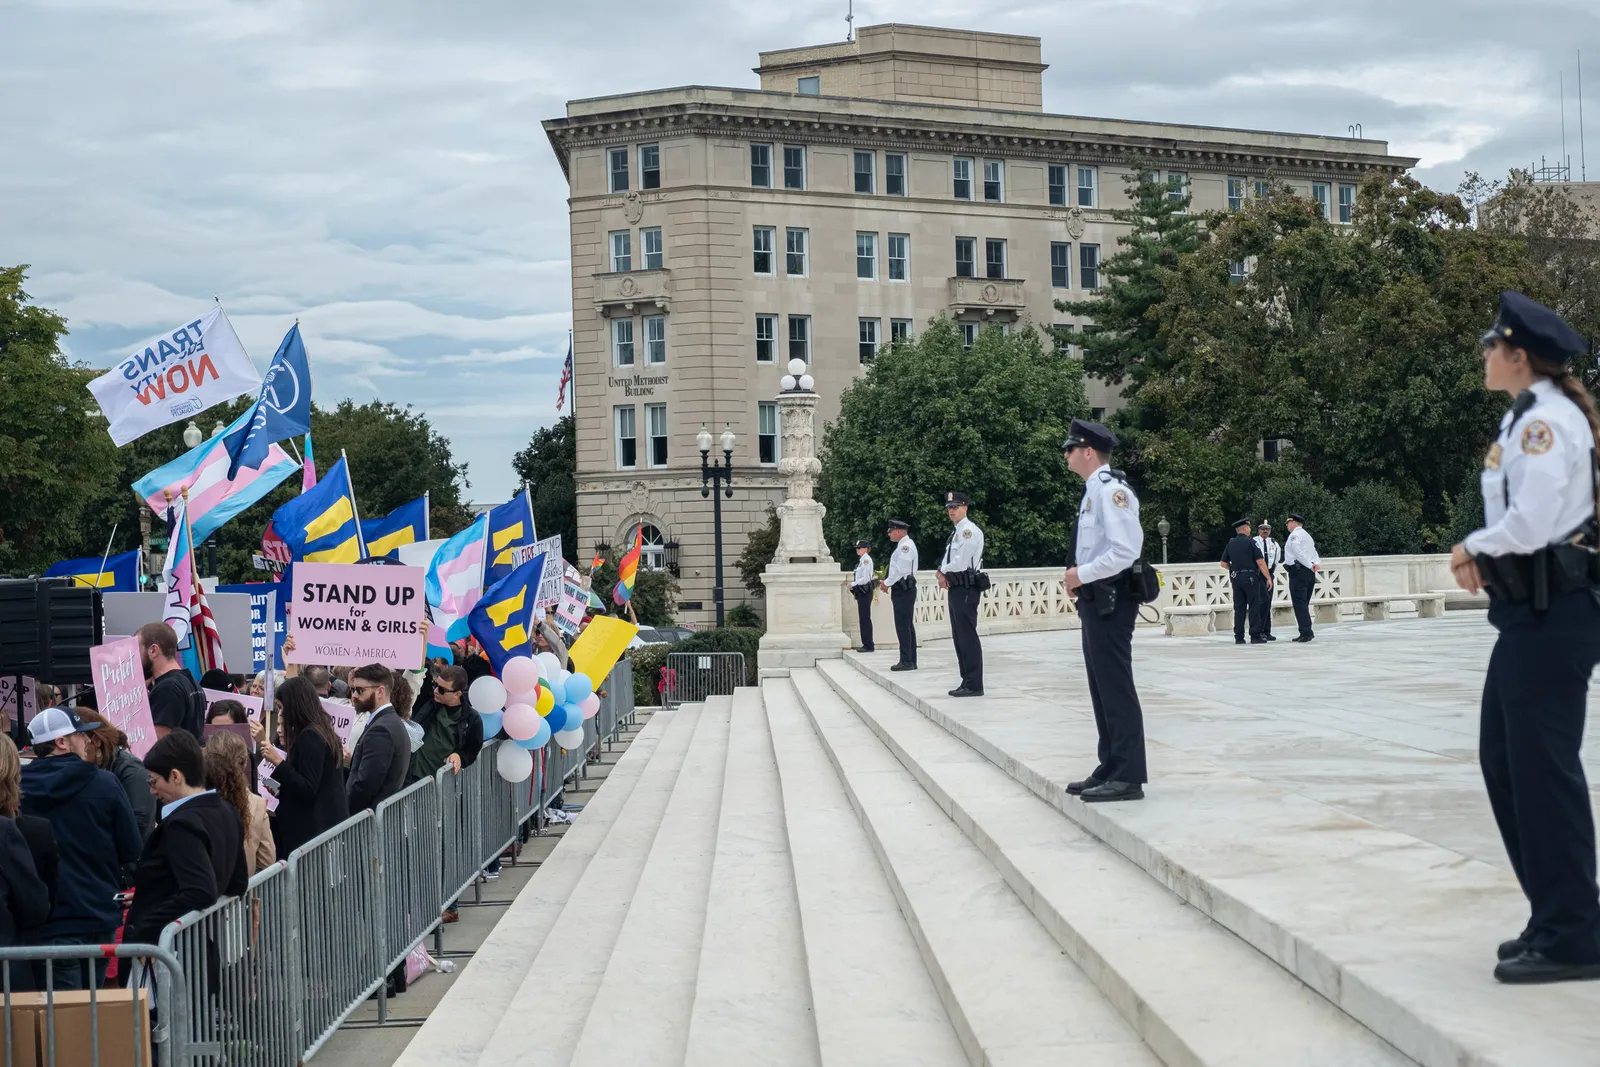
{"x": 850, "y": 22}
{"x": 1583, "y": 159}
{"x": 1561, "y": 80}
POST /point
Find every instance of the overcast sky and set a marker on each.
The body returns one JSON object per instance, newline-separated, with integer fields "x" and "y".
{"x": 377, "y": 167}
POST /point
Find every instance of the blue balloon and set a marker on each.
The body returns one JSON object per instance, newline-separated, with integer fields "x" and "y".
{"x": 540, "y": 738}
{"x": 574, "y": 717}
{"x": 578, "y": 687}
{"x": 491, "y": 722}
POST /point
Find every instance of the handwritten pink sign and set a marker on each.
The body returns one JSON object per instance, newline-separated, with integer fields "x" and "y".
{"x": 119, "y": 687}
{"x": 347, "y": 613}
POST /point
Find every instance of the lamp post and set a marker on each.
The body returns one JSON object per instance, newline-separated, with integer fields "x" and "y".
{"x": 716, "y": 479}
{"x": 192, "y": 435}
{"x": 1163, "y": 528}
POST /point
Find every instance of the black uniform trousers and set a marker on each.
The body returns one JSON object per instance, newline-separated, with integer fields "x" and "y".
{"x": 1245, "y": 584}
{"x": 903, "y": 596}
{"x": 1108, "y": 660}
{"x": 863, "y": 595}
{"x": 1263, "y": 605}
{"x": 1302, "y": 583}
{"x": 963, "y": 605}
{"x": 1534, "y": 701}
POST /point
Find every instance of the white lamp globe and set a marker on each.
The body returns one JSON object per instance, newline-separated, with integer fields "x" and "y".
{"x": 807, "y": 382}
{"x": 797, "y": 367}
{"x": 787, "y": 382}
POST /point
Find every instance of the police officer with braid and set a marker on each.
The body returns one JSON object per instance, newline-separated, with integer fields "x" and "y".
{"x": 1536, "y": 556}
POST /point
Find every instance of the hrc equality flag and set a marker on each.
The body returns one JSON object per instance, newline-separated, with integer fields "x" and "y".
{"x": 319, "y": 525}
{"x": 510, "y": 527}
{"x": 628, "y": 569}
{"x": 120, "y": 574}
{"x": 503, "y": 620}
{"x": 214, "y": 498}
{"x": 405, "y": 525}
{"x": 453, "y": 586}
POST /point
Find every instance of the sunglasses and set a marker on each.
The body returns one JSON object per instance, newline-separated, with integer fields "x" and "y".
{"x": 442, "y": 689}
{"x": 359, "y": 690}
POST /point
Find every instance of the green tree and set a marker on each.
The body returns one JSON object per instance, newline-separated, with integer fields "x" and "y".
{"x": 1295, "y": 493}
{"x": 931, "y": 416}
{"x": 655, "y": 592}
{"x": 1380, "y": 520}
{"x": 758, "y": 552}
{"x": 549, "y": 465}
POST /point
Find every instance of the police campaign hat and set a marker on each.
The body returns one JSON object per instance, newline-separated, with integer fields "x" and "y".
{"x": 1091, "y": 434}
{"x": 1245, "y": 521}
{"x": 1529, "y": 325}
{"x": 863, "y": 543}
{"x": 954, "y": 499}
{"x": 899, "y": 524}
{"x": 1296, "y": 518}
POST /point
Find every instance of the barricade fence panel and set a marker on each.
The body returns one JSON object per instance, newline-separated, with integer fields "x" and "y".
{"x": 691, "y": 677}
{"x": 412, "y": 866}
{"x": 461, "y": 825}
{"x": 43, "y": 1023}
{"x": 497, "y": 824}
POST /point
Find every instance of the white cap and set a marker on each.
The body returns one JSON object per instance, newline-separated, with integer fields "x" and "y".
{"x": 54, "y": 723}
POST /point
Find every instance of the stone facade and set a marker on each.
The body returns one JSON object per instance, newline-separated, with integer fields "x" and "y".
{"x": 684, "y": 214}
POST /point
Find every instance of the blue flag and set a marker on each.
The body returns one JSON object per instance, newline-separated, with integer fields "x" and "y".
{"x": 405, "y": 525}
{"x": 283, "y": 409}
{"x": 510, "y": 527}
{"x": 319, "y": 525}
{"x": 503, "y": 620}
{"x": 120, "y": 574}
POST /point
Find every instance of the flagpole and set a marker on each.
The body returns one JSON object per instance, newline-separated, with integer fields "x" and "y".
{"x": 427, "y": 510}
{"x": 201, "y": 642}
{"x": 101, "y": 572}
{"x": 296, "y": 451}
{"x": 361, "y": 540}
{"x": 527, "y": 498}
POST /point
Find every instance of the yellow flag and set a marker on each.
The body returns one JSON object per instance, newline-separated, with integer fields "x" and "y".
{"x": 600, "y": 645}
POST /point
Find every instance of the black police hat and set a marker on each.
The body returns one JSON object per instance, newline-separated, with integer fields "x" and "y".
{"x": 1241, "y": 522}
{"x": 863, "y": 544}
{"x": 1296, "y": 518}
{"x": 899, "y": 524}
{"x": 1264, "y": 524}
{"x": 1529, "y": 325}
{"x": 956, "y": 500}
{"x": 1092, "y": 434}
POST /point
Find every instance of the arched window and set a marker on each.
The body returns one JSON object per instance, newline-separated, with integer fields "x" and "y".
{"x": 653, "y": 551}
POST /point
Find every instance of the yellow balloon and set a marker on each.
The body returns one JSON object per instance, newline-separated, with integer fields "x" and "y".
{"x": 546, "y": 702}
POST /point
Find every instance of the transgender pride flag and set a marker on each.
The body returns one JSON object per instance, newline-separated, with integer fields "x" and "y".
{"x": 454, "y": 585}
{"x": 214, "y": 498}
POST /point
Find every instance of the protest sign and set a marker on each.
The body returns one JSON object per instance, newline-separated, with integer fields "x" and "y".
{"x": 551, "y": 577}
{"x": 119, "y": 689}
{"x": 241, "y": 730}
{"x": 574, "y": 601}
{"x": 8, "y": 698}
{"x": 261, "y": 610}
{"x": 252, "y": 705}
{"x": 343, "y": 716}
{"x": 344, "y": 613}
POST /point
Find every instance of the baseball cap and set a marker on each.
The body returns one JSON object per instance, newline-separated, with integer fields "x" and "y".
{"x": 54, "y": 723}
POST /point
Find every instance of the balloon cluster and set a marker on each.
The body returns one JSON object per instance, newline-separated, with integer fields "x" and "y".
{"x": 533, "y": 700}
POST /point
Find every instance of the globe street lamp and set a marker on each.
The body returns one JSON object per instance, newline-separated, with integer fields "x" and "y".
{"x": 1163, "y": 528}
{"x": 192, "y": 435}
{"x": 715, "y": 480}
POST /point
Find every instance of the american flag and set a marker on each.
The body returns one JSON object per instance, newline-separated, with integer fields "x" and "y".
{"x": 566, "y": 377}
{"x": 205, "y": 626}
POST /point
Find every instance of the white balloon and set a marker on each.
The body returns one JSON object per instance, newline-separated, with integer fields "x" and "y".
{"x": 567, "y": 739}
{"x": 514, "y": 762}
{"x": 560, "y": 682}
{"x": 487, "y": 694}
{"x": 548, "y": 665}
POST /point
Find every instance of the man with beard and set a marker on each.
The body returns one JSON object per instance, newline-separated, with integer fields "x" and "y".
{"x": 383, "y": 754}
{"x": 176, "y": 700}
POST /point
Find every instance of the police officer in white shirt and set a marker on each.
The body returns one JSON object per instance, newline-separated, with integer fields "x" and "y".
{"x": 1107, "y": 544}
{"x": 901, "y": 585}
{"x": 1536, "y": 557}
{"x": 961, "y": 573}
{"x": 1300, "y": 559}
{"x": 862, "y": 583}
{"x": 1272, "y": 555}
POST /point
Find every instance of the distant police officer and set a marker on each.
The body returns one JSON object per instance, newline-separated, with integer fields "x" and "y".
{"x": 1271, "y": 554}
{"x": 1105, "y": 547}
{"x": 1536, "y": 557}
{"x": 862, "y": 583}
{"x": 1247, "y": 569}
{"x": 1300, "y": 559}
{"x": 901, "y": 585}
{"x": 961, "y": 573}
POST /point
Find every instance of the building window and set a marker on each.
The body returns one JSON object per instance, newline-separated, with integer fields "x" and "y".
{"x": 651, "y": 239}
{"x": 866, "y": 256}
{"x": 1347, "y": 204}
{"x": 619, "y": 170}
{"x": 763, "y": 237}
{"x": 1263, "y": 189}
{"x": 811, "y": 86}
{"x": 864, "y": 175}
{"x": 994, "y": 180}
{"x": 1177, "y": 186}
{"x": 899, "y": 257}
{"x": 899, "y": 331}
{"x": 761, "y": 166}
{"x": 994, "y": 258}
{"x": 622, "y": 341}
{"x": 1088, "y": 187}
{"x": 766, "y": 338}
{"x": 867, "y": 334}
{"x": 1235, "y": 193}
{"x": 622, "y": 250}
{"x": 969, "y": 334}
{"x": 1097, "y": 414}
{"x": 1089, "y": 266}
{"x": 655, "y": 425}
{"x": 800, "y": 337}
{"x": 1272, "y": 449}
{"x": 894, "y": 174}
{"x": 794, "y": 166}
{"x": 649, "y": 166}
{"x": 795, "y": 252}
{"x": 655, "y": 339}
{"x": 963, "y": 179}
{"x": 1058, "y": 185}
{"x": 966, "y": 254}
{"x": 1060, "y": 269}
{"x": 767, "y": 433}
{"x": 1237, "y": 274}
{"x": 1062, "y": 332}
{"x": 1319, "y": 193}
{"x": 627, "y": 438}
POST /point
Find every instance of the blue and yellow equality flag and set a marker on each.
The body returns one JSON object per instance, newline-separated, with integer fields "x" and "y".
{"x": 405, "y": 525}
{"x": 320, "y": 524}
{"x": 510, "y": 526}
{"x": 503, "y": 620}
{"x": 119, "y": 574}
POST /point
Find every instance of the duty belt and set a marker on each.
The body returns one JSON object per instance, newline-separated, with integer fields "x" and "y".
{"x": 1533, "y": 578}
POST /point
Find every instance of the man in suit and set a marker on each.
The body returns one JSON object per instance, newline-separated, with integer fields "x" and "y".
{"x": 382, "y": 757}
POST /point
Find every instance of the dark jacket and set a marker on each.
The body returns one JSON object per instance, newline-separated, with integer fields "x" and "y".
{"x": 136, "y": 784}
{"x": 311, "y": 798}
{"x": 466, "y": 740}
{"x": 24, "y": 898}
{"x": 95, "y": 833}
{"x": 378, "y": 765}
{"x": 194, "y": 856}
{"x": 1240, "y": 554}
{"x": 41, "y": 841}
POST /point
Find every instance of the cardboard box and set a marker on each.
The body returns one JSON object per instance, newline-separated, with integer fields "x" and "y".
{"x": 74, "y": 1030}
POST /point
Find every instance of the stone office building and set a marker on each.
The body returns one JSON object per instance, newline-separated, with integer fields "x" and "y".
{"x": 865, "y": 188}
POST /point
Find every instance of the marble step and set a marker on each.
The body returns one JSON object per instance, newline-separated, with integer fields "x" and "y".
{"x": 1013, "y": 996}
{"x": 752, "y": 1004}
{"x": 1396, "y": 931}
{"x": 1197, "y": 994}
{"x": 641, "y": 1011}
{"x": 459, "y": 1028}
{"x": 875, "y": 1004}
{"x": 541, "y": 1024}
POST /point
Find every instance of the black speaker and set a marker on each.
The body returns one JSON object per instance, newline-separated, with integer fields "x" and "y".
{"x": 47, "y": 626}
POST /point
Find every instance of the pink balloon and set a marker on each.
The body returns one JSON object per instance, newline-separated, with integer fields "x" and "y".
{"x": 521, "y": 722}
{"x": 590, "y": 705}
{"x": 530, "y": 698}
{"x": 520, "y": 674}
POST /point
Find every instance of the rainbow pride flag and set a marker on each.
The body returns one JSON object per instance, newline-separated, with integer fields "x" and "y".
{"x": 628, "y": 569}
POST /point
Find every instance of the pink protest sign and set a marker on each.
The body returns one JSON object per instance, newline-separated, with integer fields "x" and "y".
{"x": 119, "y": 687}
{"x": 252, "y": 705}
{"x": 346, "y": 613}
{"x": 8, "y": 698}
{"x": 343, "y": 715}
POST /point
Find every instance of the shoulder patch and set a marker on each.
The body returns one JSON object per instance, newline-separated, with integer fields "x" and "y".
{"x": 905, "y": 550}
{"x": 1491, "y": 462}
{"x": 1120, "y": 498}
{"x": 1537, "y": 438}
{"x": 966, "y": 535}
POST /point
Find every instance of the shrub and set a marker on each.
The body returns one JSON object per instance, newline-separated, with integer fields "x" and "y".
{"x": 745, "y": 617}
{"x": 647, "y": 664}
{"x": 759, "y": 549}
{"x": 1323, "y": 511}
{"x": 1380, "y": 519}
{"x": 743, "y": 639}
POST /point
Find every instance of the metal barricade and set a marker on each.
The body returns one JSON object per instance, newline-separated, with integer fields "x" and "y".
{"x": 55, "y": 1027}
{"x": 496, "y": 804}
{"x": 460, "y": 824}
{"x": 410, "y": 867}
{"x": 693, "y": 676}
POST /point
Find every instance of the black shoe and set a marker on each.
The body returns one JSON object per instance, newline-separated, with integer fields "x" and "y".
{"x": 1510, "y": 950}
{"x": 1238, "y": 640}
{"x": 1534, "y": 968}
{"x": 1074, "y": 788}
{"x": 1271, "y": 638}
{"x": 1259, "y": 640}
{"x": 963, "y": 691}
{"x": 866, "y": 650}
{"x": 1108, "y": 791}
{"x": 904, "y": 667}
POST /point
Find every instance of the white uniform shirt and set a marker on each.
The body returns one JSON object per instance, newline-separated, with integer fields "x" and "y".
{"x": 1538, "y": 478}
{"x": 1269, "y": 551}
{"x": 1109, "y": 535}
{"x": 1300, "y": 548}
{"x": 863, "y": 574}
{"x": 965, "y": 548}
{"x": 903, "y": 561}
